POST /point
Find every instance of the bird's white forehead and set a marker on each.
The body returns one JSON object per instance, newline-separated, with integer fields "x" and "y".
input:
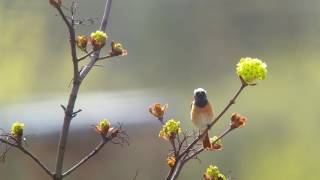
{"x": 199, "y": 90}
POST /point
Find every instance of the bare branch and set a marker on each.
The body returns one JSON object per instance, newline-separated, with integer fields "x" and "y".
{"x": 64, "y": 17}
{"x": 116, "y": 133}
{"x": 25, "y": 151}
{"x": 104, "y": 57}
{"x": 4, "y": 154}
{"x": 74, "y": 114}
{"x": 87, "y": 55}
{"x": 63, "y": 107}
{"x": 77, "y": 79}
{"x": 175, "y": 151}
{"x": 70, "y": 25}
{"x": 86, "y": 158}
{"x": 136, "y": 175}
{"x": 187, "y": 158}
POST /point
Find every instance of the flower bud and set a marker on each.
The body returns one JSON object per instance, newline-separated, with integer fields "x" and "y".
{"x": 82, "y": 42}
{"x": 103, "y": 127}
{"x": 17, "y": 130}
{"x": 171, "y": 160}
{"x": 158, "y": 111}
{"x": 117, "y": 49}
{"x": 237, "y": 121}
{"x": 98, "y": 39}
{"x": 55, "y": 3}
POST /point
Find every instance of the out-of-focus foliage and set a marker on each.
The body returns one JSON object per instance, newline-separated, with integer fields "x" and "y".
{"x": 176, "y": 46}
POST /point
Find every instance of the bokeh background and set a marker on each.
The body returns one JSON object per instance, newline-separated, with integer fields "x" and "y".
{"x": 174, "y": 47}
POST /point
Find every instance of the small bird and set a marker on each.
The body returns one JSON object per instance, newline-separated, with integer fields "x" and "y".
{"x": 202, "y": 114}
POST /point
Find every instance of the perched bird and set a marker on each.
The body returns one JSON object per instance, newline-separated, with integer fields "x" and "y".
{"x": 202, "y": 114}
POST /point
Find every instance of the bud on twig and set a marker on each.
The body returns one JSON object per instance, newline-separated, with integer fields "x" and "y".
{"x": 55, "y": 3}
{"x": 98, "y": 39}
{"x": 117, "y": 49}
{"x": 171, "y": 160}
{"x": 103, "y": 127}
{"x": 170, "y": 129}
{"x": 158, "y": 111}
{"x": 17, "y": 130}
{"x": 237, "y": 121}
{"x": 82, "y": 42}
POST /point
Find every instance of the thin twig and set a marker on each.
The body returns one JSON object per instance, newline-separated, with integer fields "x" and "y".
{"x": 86, "y": 158}
{"x": 136, "y": 175}
{"x": 33, "y": 157}
{"x": 173, "y": 143}
{"x": 72, "y": 40}
{"x": 121, "y": 134}
{"x": 186, "y": 159}
{"x": 104, "y": 57}
{"x": 85, "y": 56}
{"x": 202, "y": 149}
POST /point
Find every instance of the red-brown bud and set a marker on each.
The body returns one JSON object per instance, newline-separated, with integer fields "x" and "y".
{"x": 237, "y": 121}
{"x": 55, "y": 3}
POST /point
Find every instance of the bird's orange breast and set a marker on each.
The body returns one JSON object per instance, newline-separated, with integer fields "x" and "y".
{"x": 201, "y": 116}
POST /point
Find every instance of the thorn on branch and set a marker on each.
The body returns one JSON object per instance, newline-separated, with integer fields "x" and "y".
{"x": 199, "y": 160}
{"x": 4, "y": 154}
{"x": 136, "y": 175}
{"x": 63, "y": 107}
{"x": 74, "y": 114}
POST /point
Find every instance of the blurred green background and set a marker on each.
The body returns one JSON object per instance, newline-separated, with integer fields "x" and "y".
{"x": 174, "y": 47}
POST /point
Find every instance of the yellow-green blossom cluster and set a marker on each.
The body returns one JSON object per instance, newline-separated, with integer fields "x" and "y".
{"x": 98, "y": 39}
{"x": 104, "y": 123}
{"x": 99, "y": 36}
{"x": 17, "y": 129}
{"x": 170, "y": 129}
{"x": 213, "y": 173}
{"x": 103, "y": 126}
{"x": 251, "y": 70}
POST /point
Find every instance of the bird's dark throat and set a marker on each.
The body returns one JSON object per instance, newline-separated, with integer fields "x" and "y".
{"x": 201, "y": 102}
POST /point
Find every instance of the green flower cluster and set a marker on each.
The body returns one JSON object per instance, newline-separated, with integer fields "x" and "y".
{"x": 98, "y": 38}
{"x": 170, "y": 129}
{"x": 251, "y": 70}
{"x": 104, "y": 123}
{"x": 103, "y": 126}
{"x": 214, "y": 173}
{"x": 17, "y": 129}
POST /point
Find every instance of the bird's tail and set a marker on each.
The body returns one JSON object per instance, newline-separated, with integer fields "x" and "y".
{"x": 206, "y": 141}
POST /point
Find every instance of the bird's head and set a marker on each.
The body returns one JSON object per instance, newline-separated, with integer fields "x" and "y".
{"x": 200, "y": 97}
